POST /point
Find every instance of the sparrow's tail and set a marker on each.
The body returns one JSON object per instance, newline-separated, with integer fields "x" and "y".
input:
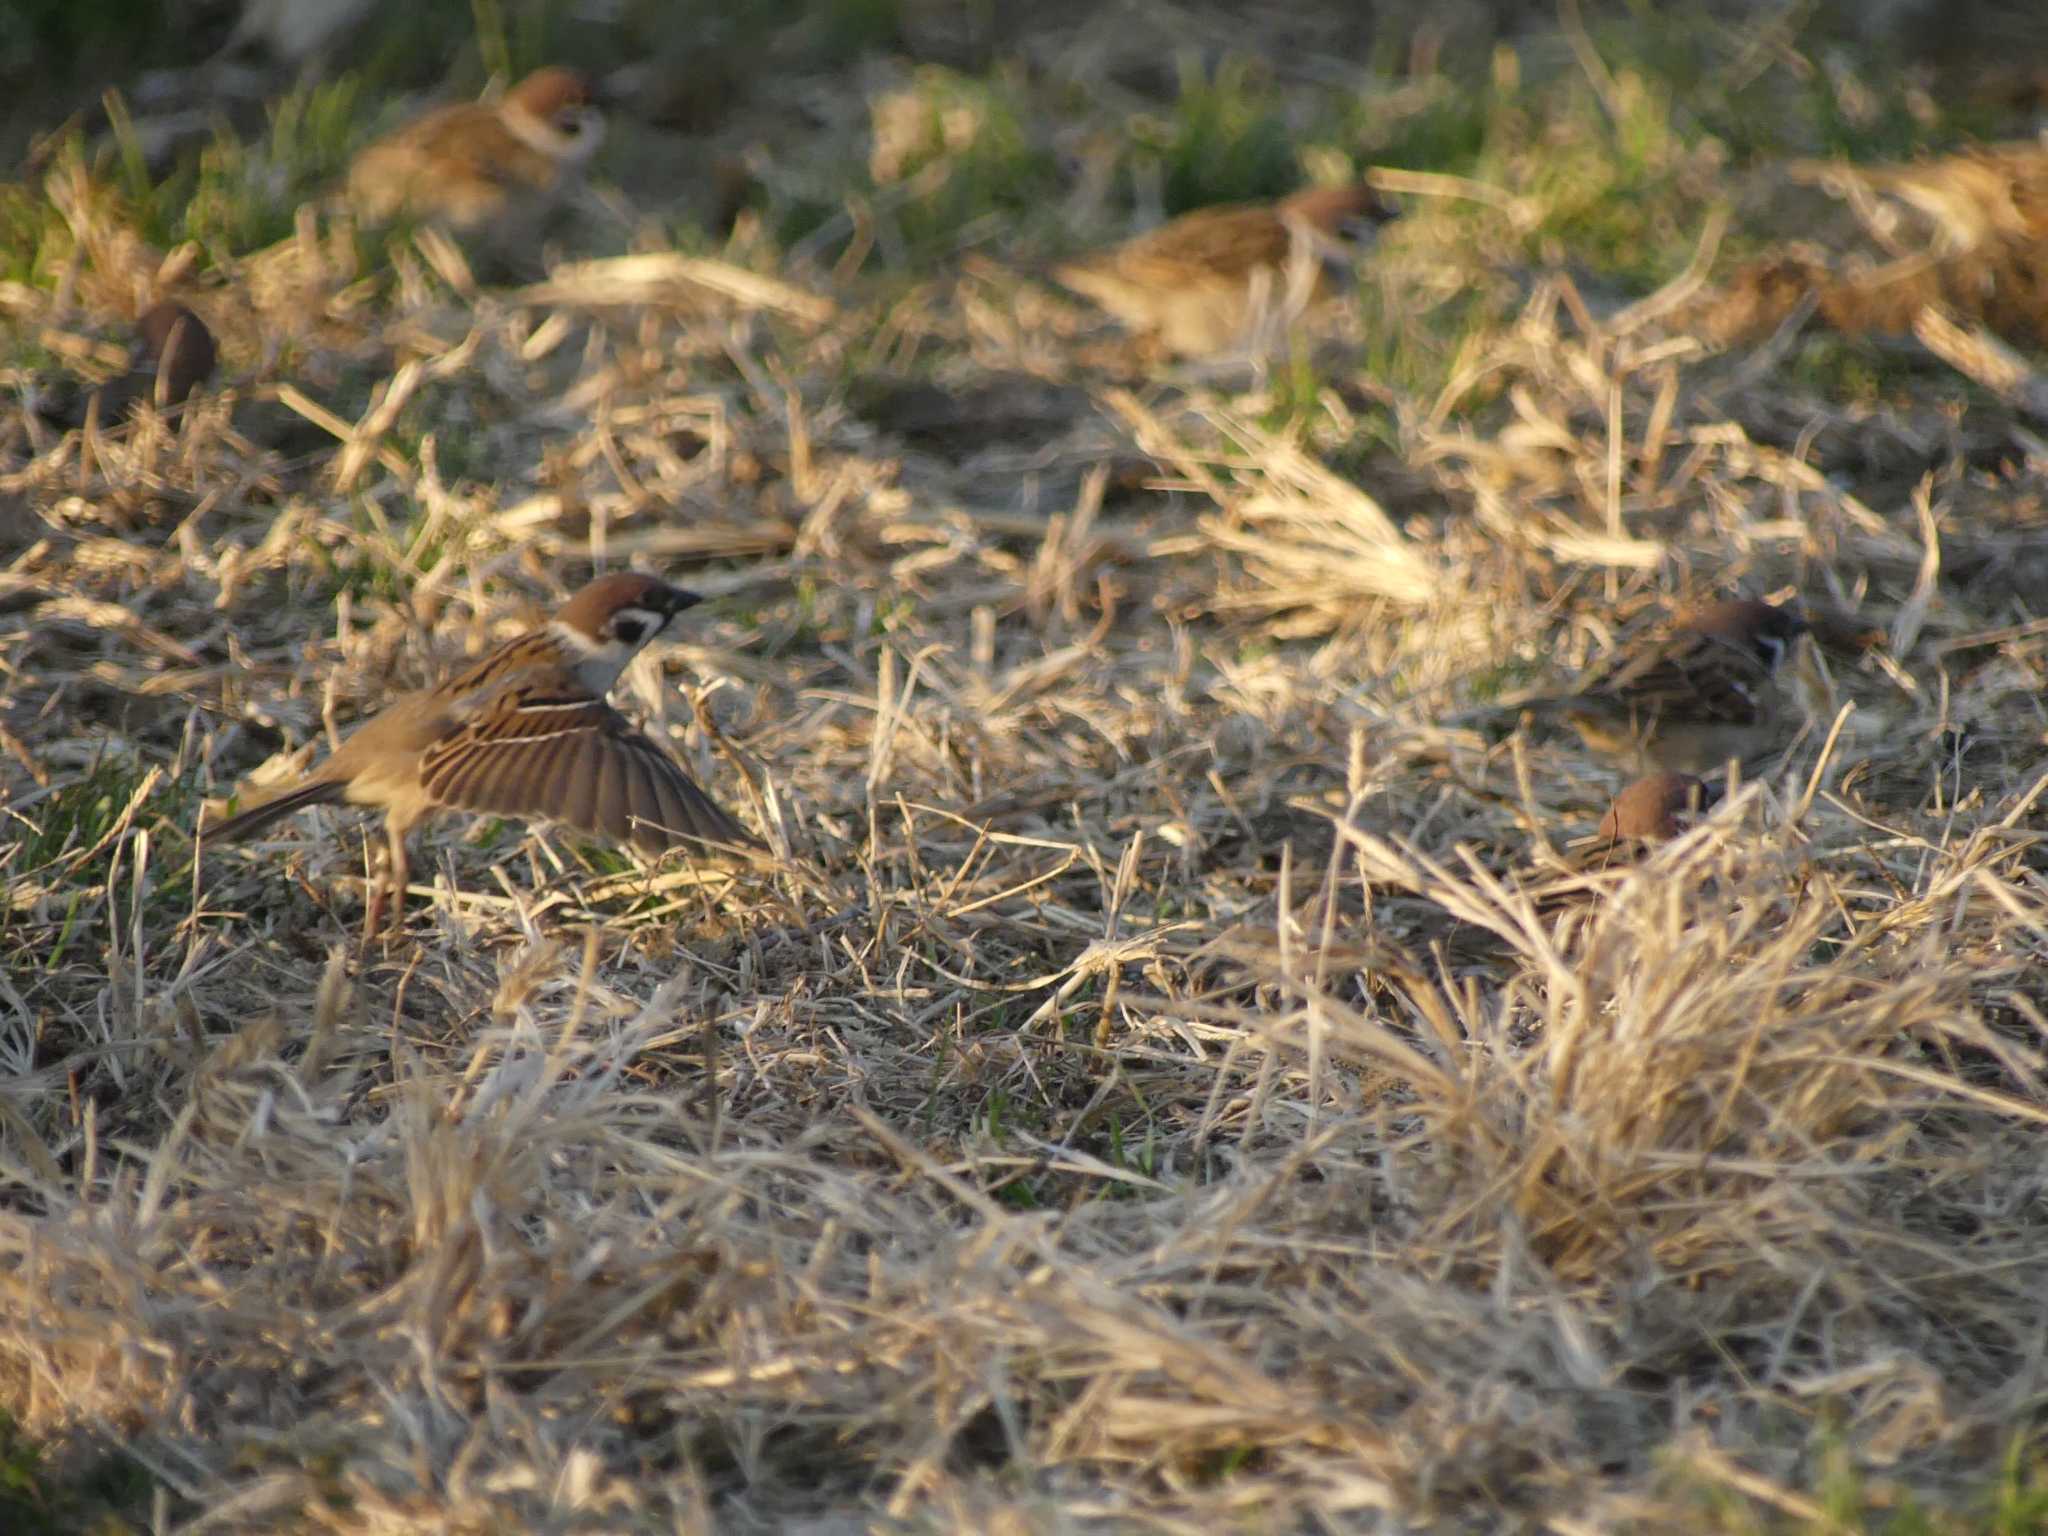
{"x": 259, "y": 817}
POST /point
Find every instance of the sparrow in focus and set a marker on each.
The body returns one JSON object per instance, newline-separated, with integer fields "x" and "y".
{"x": 525, "y": 732}
{"x": 480, "y": 167}
{"x": 1657, "y": 809}
{"x": 1706, "y": 692}
{"x": 1205, "y": 282}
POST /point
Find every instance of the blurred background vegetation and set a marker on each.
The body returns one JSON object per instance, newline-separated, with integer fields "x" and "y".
{"x": 1215, "y": 101}
{"x": 883, "y": 140}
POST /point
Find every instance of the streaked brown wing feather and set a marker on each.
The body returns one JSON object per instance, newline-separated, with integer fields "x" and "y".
{"x": 576, "y": 791}
{"x": 1691, "y": 676}
{"x": 609, "y": 812}
{"x": 1230, "y": 240}
{"x": 494, "y": 154}
{"x": 574, "y": 760}
{"x": 643, "y": 801}
{"x": 515, "y": 755}
{"x": 682, "y": 811}
{"x": 470, "y": 139}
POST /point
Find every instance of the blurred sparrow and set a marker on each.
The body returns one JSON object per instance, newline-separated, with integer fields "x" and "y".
{"x": 1980, "y": 195}
{"x": 1705, "y": 693}
{"x": 1567, "y": 892}
{"x": 524, "y": 732}
{"x": 1209, "y": 280}
{"x": 496, "y": 168}
{"x": 172, "y": 356}
{"x": 174, "y": 352}
{"x": 1657, "y": 808}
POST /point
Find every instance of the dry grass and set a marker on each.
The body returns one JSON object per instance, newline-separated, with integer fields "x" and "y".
{"x": 1173, "y": 1081}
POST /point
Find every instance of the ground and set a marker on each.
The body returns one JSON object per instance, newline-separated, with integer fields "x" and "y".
{"x": 1170, "y": 1076}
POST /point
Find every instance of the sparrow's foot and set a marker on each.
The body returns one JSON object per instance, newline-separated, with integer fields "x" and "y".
{"x": 376, "y": 900}
{"x": 384, "y": 906}
{"x": 373, "y": 913}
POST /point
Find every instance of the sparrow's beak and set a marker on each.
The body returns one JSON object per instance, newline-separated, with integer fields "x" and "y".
{"x": 680, "y": 598}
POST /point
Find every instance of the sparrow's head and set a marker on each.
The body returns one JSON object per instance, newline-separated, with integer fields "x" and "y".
{"x": 1352, "y": 212}
{"x": 1656, "y": 808}
{"x": 1766, "y": 631}
{"x": 559, "y": 100}
{"x": 178, "y": 346}
{"x": 607, "y": 622}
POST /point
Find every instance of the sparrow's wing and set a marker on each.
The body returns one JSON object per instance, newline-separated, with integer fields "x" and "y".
{"x": 573, "y": 759}
{"x": 1691, "y": 676}
{"x": 1230, "y": 241}
{"x": 463, "y": 143}
{"x": 483, "y": 147}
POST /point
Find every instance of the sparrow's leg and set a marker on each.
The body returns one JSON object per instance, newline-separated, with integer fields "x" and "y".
{"x": 387, "y": 885}
{"x": 398, "y": 875}
{"x": 373, "y": 904}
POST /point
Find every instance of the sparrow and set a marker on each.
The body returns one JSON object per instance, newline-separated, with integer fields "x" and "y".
{"x": 173, "y": 355}
{"x": 1567, "y": 888}
{"x": 1657, "y": 809}
{"x": 495, "y": 168}
{"x": 1976, "y": 197}
{"x": 1960, "y": 234}
{"x": 174, "y": 351}
{"x": 525, "y": 732}
{"x": 1202, "y": 282}
{"x": 1687, "y": 703}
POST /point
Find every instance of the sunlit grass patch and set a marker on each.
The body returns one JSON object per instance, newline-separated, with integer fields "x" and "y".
{"x": 33, "y": 241}
{"x": 97, "y": 849}
{"x": 1836, "y": 1494}
{"x": 1223, "y": 140}
{"x": 1873, "y": 372}
{"x": 245, "y": 196}
{"x": 949, "y": 153}
{"x": 105, "y": 1492}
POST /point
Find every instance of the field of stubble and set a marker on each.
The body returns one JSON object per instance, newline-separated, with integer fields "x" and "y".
{"x": 1168, "y": 1080}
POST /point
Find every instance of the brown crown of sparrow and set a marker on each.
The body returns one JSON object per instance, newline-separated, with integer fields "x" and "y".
{"x": 525, "y": 732}
{"x": 478, "y": 164}
{"x": 176, "y": 352}
{"x": 1687, "y": 703}
{"x": 1657, "y": 808}
{"x": 1202, "y": 282}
